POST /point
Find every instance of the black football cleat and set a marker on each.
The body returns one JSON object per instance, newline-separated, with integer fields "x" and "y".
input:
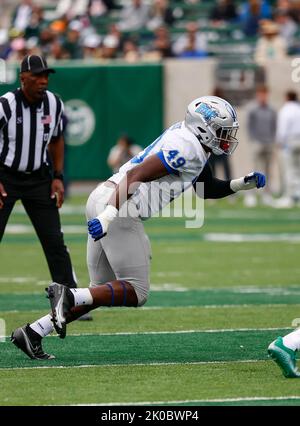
{"x": 61, "y": 303}
{"x": 30, "y": 343}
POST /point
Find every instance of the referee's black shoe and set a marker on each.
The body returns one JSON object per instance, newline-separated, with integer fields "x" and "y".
{"x": 30, "y": 343}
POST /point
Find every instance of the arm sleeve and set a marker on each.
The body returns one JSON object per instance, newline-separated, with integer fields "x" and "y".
{"x": 213, "y": 187}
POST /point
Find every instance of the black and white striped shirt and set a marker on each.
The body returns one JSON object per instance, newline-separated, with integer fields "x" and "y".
{"x": 26, "y": 130}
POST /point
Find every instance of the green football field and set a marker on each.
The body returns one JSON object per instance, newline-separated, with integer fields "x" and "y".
{"x": 219, "y": 295}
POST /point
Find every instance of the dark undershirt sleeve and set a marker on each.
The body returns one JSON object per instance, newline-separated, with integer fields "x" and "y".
{"x": 213, "y": 187}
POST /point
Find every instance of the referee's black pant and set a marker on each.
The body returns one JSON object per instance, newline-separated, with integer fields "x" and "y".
{"x": 34, "y": 191}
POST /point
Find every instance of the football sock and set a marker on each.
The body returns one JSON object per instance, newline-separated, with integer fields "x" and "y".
{"x": 43, "y": 326}
{"x": 82, "y": 296}
{"x": 292, "y": 340}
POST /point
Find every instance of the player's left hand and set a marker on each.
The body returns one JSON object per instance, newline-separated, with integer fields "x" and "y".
{"x": 96, "y": 230}
{"x": 57, "y": 190}
{"x": 255, "y": 179}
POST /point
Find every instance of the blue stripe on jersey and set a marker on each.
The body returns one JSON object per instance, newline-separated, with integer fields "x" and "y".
{"x": 160, "y": 155}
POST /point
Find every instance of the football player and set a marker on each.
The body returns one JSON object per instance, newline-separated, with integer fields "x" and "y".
{"x": 283, "y": 352}
{"x": 118, "y": 250}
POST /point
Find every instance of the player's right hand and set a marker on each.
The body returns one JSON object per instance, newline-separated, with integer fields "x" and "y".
{"x": 96, "y": 230}
{"x": 250, "y": 181}
{"x": 99, "y": 225}
{"x": 2, "y": 194}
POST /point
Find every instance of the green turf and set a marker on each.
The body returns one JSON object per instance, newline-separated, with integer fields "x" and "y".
{"x": 197, "y": 285}
{"x": 170, "y": 319}
{"x": 144, "y": 384}
{"x": 180, "y": 257}
{"x": 142, "y": 348}
{"x": 247, "y": 402}
{"x": 195, "y": 266}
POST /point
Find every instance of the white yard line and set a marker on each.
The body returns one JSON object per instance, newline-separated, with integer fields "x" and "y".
{"x": 186, "y": 401}
{"x": 146, "y": 333}
{"x": 28, "y": 229}
{"x": 292, "y": 289}
{"x": 17, "y": 280}
{"x": 154, "y": 308}
{"x": 145, "y": 364}
{"x": 216, "y": 330}
{"x": 65, "y": 210}
{"x": 237, "y": 238}
{"x": 215, "y": 237}
{"x": 254, "y": 214}
{"x": 224, "y": 213}
{"x": 242, "y": 305}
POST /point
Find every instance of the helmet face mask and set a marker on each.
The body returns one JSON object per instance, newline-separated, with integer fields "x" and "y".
{"x": 225, "y": 141}
{"x": 214, "y": 122}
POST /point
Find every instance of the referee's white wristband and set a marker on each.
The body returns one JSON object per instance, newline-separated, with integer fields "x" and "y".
{"x": 107, "y": 216}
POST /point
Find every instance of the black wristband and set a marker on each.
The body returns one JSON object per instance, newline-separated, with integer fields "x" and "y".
{"x": 57, "y": 175}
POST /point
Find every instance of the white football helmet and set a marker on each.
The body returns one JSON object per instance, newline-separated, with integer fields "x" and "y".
{"x": 214, "y": 121}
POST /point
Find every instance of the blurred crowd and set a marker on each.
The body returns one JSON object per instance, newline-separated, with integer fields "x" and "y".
{"x": 134, "y": 30}
{"x": 274, "y": 137}
{"x": 150, "y": 30}
{"x": 275, "y": 142}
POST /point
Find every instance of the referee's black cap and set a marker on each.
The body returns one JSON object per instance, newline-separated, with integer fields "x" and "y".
{"x": 35, "y": 64}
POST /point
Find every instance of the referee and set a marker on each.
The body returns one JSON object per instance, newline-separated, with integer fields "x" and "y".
{"x": 31, "y": 162}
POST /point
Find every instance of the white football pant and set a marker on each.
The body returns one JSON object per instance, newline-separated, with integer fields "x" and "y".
{"x": 124, "y": 253}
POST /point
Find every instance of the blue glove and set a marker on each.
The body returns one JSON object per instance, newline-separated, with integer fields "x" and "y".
{"x": 99, "y": 225}
{"x": 255, "y": 177}
{"x": 95, "y": 228}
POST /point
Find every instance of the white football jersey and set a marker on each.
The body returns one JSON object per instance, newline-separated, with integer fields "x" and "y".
{"x": 183, "y": 156}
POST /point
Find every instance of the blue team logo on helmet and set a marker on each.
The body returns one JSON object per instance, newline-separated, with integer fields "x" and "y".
{"x": 207, "y": 112}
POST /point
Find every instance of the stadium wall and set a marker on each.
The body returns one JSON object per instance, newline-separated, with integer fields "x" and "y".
{"x": 101, "y": 103}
